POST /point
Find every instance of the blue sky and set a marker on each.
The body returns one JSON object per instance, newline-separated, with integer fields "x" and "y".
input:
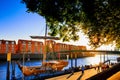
{"x": 16, "y": 23}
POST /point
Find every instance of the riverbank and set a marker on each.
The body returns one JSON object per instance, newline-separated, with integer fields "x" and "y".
{"x": 115, "y": 76}
{"x": 76, "y": 76}
{"x": 92, "y": 74}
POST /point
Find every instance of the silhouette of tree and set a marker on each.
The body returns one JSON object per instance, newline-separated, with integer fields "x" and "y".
{"x": 98, "y": 19}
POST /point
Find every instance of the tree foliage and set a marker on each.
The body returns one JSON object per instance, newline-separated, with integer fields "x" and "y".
{"x": 98, "y": 19}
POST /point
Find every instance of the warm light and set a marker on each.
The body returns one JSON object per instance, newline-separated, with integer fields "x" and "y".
{"x": 83, "y": 41}
{"x": 107, "y": 47}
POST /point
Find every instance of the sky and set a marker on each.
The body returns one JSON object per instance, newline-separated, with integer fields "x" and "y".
{"x": 16, "y": 23}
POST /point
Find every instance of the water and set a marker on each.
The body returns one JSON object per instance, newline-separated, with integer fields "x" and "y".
{"x": 80, "y": 62}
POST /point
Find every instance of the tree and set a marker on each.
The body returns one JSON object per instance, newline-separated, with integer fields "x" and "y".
{"x": 98, "y": 19}
{"x": 104, "y": 21}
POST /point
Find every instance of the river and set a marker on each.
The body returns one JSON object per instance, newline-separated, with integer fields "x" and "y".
{"x": 80, "y": 61}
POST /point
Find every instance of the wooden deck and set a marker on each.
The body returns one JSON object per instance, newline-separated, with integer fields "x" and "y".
{"x": 80, "y": 76}
{"x": 76, "y": 75}
{"x": 115, "y": 76}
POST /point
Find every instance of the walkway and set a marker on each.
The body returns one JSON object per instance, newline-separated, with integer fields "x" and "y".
{"x": 115, "y": 76}
{"x": 76, "y": 75}
{"x": 87, "y": 74}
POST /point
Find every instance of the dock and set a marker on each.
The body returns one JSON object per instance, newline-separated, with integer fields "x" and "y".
{"x": 115, "y": 76}
{"x": 76, "y": 76}
{"x": 92, "y": 74}
{"x": 86, "y": 75}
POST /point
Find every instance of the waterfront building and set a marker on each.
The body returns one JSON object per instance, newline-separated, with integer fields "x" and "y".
{"x": 7, "y": 46}
{"x": 29, "y": 46}
{"x": 37, "y": 47}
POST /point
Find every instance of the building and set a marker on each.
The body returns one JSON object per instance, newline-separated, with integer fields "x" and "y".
{"x": 7, "y": 46}
{"x": 29, "y": 46}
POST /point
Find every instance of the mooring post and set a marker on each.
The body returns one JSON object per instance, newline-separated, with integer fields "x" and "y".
{"x": 71, "y": 60}
{"x": 8, "y": 66}
{"x": 100, "y": 58}
{"x": 8, "y": 71}
{"x": 104, "y": 57}
{"x": 75, "y": 59}
{"x": 13, "y": 70}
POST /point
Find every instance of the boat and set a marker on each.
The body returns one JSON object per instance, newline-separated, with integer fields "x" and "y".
{"x": 56, "y": 65}
{"x": 45, "y": 67}
{"x": 30, "y": 70}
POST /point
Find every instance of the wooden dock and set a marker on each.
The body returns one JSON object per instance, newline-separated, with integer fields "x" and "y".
{"x": 92, "y": 74}
{"x": 115, "y": 76}
{"x": 76, "y": 76}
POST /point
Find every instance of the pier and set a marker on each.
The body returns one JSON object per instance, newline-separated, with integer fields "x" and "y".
{"x": 92, "y": 74}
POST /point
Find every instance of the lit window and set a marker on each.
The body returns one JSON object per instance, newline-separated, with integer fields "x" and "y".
{"x": 12, "y": 42}
{"x": 7, "y": 46}
{"x": 29, "y": 46}
{"x": 6, "y": 42}
{"x": 23, "y": 46}
{"x": 36, "y": 44}
{"x": 24, "y": 43}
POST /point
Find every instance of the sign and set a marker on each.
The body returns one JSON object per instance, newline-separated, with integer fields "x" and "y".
{"x": 9, "y": 57}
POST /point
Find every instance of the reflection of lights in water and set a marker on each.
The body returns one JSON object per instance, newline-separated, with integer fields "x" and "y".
{"x": 94, "y": 60}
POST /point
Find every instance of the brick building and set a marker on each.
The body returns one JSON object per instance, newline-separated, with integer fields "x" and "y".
{"x": 7, "y": 46}
{"x": 29, "y": 46}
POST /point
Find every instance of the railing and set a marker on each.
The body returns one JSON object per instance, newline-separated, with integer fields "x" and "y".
{"x": 105, "y": 51}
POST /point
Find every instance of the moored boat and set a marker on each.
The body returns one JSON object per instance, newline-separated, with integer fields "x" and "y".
{"x": 56, "y": 65}
{"x": 31, "y": 70}
{"x": 45, "y": 67}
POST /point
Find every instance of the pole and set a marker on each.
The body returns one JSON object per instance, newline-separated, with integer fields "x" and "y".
{"x": 13, "y": 70}
{"x": 67, "y": 57}
{"x": 75, "y": 59}
{"x": 44, "y": 54}
{"x": 8, "y": 66}
{"x": 8, "y": 71}
{"x": 100, "y": 59}
{"x": 71, "y": 60}
{"x": 104, "y": 57}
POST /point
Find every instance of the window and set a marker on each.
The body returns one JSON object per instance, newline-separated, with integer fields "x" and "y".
{"x": 23, "y": 46}
{"x": 29, "y": 46}
{"x": 12, "y": 42}
{"x": 7, "y": 46}
{"x": 36, "y": 45}
{"x": 12, "y": 47}
{"x": 7, "y": 42}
